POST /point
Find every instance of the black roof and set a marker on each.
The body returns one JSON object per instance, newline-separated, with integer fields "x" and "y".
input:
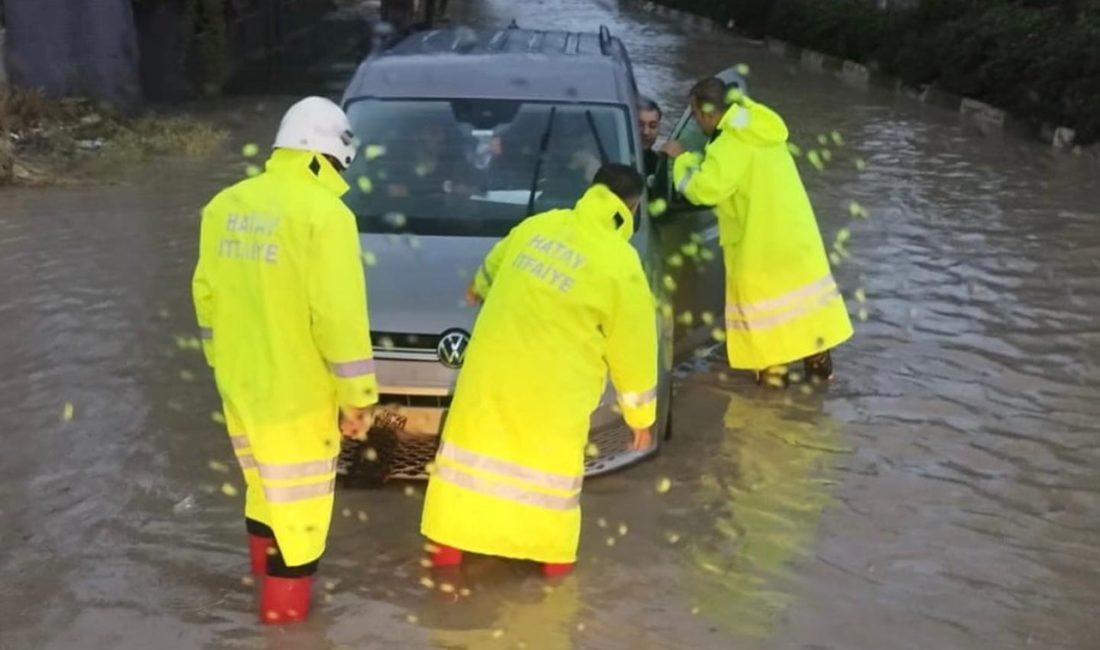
{"x": 504, "y": 63}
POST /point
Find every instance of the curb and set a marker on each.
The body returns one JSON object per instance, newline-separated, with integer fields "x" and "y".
{"x": 987, "y": 117}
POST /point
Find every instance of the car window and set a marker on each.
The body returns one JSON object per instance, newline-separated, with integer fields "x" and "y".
{"x": 468, "y": 166}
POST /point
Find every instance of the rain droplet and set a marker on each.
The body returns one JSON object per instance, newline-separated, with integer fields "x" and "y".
{"x": 163, "y": 314}
{"x": 691, "y": 249}
{"x": 362, "y": 517}
{"x": 465, "y": 593}
{"x": 371, "y": 455}
{"x": 664, "y": 485}
{"x": 365, "y": 185}
{"x": 666, "y": 310}
{"x": 861, "y": 295}
{"x": 708, "y": 107}
{"x": 834, "y": 257}
{"x": 328, "y": 598}
{"x": 369, "y": 258}
{"x": 252, "y": 170}
{"x": 67, "y": 413}
{"x": 695, "y": 611}
{"x": 447, "y": 588}
{"x": 734, "y": 95}
{"x": 228, "y": 490}
{"x": 427, "y": 583}
{"x": 429, "y": 468}
{"x": 373, "y": 151}
{"x": 861, "y": 164}
{"x": 580, "y": 627}
{"x": 218, "y": 417}
{"x": 856, "y": 210}
{"x": 346, "y": 512}
{"x": 610, "y": 541}
{"x": 673, "y": 538}
{"x": 742, "y": 69}
{"x": 827, "y": 155}
{"x": 623, "y": 530}
{"x": 426, "y": 563}
{"x": 601, "y": 522}
{"x": 219, "y": 467}
{"x": 187, "y": 375}
{"x": 707, "y": 318}
{"x": 250, "y": 150}
{"x": 396, "y": 219}
{"x": 686, "y": 318}
{"x": 387, "y": 343}
{"x": 707, "y": 254}
{"x": 658, "y": 207}
{"x": 592, "y": 450}
{"x": 718, "y": 334}
{"x": 863, "y": 314}
{"x": 498, "y": 634}
{"x": 795, "y": 150}
{"x": 330, "y": 585}
{"x": 815, "y": 160}
{"x": 248, "y": 581}
{"x": 823, "y": 140}
{"x": 838, "y": 139}
{"x": 669, "y": 282}
{"x": 409, "y": 491}
{"x": 412, "y": 619}
{"x": 843, "y": 235}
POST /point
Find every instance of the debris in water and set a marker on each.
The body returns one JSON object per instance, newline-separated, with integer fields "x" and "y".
{"x": 664, "y": 485}
{"x": 228, "y": 490}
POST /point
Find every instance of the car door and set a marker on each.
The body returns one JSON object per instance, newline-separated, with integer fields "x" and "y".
{"x": 688, "y": 237}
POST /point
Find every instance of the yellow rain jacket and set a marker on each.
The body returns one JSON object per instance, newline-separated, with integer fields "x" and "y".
{"x": 281, "y": 302}
{"x": 566, "y": 300}
{"x": 782, "y": 303}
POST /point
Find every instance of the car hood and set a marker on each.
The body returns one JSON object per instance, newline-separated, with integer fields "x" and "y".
{"x": 417, "y": 284}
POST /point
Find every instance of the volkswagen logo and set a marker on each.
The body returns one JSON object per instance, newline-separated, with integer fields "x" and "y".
{"x": 452, "y": 348}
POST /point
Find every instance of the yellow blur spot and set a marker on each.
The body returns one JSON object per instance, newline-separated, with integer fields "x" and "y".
{"x": 362, "y": 517}
{"x": 834, "y": 257}
{"x": 815, "y": 160}
{"x": 827, "y": 155}
{"x": 861, "y": 164}
{"x": 742, "y": 69}
{"x": 695, "y": 611}
{"x": 465, "y": 593}
{"x": 673, "y": 538}
{"x": 718, "y": 334}
{"x": 838, "y": 139}
{"x": 707, "y": 318}
{"x": 374, "y": 151}
{"x": 623, "y": 530}
{"x": 823, "y": 140}
{"x": 346, "y": 512}
{"x": 863, "y": 314}
{"x": 686, "y": 318}
{"x": 691, "y": 249}
{"x": 795, "y": 150}
{"x": 228, "y": 490}
{"x": 707, "y": 254}
{"x": 669, "y": 282}
{"x": 861, "y": 295}
{"x": 248, "y": 581}
{"x": 252, "y": 170}
{"x": 601, "y": 522}
{"x": 447, "y": 588}
{"x": 412, "y": 619}
{"x": 250, "y": 150}
{"x": 658, "y": 207}
{"x": 664, "y": 485}
{"x": 426, "y": 563}
{"x": 675, "y": 260}
{"x": 708, "y": 107}
{"x": 592, "y": 450}
{"x": 187, "y": 375}
{"x": 369, "y": 258}
{"x": 498, "y": 634}
{"x": 666, "y": 310}
{"x": 67, "y": 413}
{"x": 371, "y": 455}
{"x": 218, "y": 417}
{"x": 330, "y": 585}
{"x": 610, "y": 541}
{"x": 843, "y": 235}
{"x": 734, "y": 96}
{"x": 365, "y": 185}
{"x": 427, "y": 583}
{"x": 409, "y": 491}
{"x": 856, "y": 210}
{"x": 219, "y": 467}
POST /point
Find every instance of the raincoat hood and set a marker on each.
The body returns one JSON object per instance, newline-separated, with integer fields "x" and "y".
{"x": 601, "y": 206}
{"x": 306, "y": 164}
{"x": 755, "y": 122}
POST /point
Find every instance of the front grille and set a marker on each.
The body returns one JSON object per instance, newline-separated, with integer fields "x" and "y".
{"x": 404, "y": 341}
{"x": 421, "y": 401}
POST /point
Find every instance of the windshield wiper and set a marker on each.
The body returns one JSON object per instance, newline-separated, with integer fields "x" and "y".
{"x": 543, "y": 145}
{"x": 596, "y": 134}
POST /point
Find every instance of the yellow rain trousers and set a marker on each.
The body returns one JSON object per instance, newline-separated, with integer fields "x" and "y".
{"x": 782, "y": 303}
{"x": 281, "y": 301}
{"x": 566, "y": 300}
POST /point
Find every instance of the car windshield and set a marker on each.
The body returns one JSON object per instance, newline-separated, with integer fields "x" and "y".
{"x": 470, "y": 166}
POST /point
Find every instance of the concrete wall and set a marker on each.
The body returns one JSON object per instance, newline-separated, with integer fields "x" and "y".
{"x": 74, "y": 47}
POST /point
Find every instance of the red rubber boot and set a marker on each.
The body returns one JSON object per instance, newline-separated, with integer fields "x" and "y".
{"x": 258, "y": 550}
{"x": 285, "y": 600}
{"x": 550, "y": 570}
{"x": 445, "y": 555}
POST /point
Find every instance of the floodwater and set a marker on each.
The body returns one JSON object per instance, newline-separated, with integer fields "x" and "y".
{"x": 944, "y": 492}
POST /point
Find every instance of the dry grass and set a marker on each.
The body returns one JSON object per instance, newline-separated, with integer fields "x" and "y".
{"x": 63, "y": 138}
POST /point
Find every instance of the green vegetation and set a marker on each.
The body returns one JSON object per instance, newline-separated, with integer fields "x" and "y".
{"x": 1037, "y": 59}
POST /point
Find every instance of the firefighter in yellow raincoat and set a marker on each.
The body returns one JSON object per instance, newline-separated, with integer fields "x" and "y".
{"x": 782, "y": 303}
{"x": 281, "y": 303}
{"x": 565, "y": 301}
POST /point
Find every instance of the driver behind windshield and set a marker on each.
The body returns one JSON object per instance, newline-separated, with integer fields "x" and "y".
{"x": 431, "y": 162}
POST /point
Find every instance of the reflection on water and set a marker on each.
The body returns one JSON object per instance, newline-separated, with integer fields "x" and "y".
{"x": 944, "y": 492}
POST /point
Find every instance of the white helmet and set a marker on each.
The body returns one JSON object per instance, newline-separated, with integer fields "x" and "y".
{"x": 319, "y": 125}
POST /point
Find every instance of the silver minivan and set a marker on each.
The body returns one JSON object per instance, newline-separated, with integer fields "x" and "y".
{"x": 467, "y": 133}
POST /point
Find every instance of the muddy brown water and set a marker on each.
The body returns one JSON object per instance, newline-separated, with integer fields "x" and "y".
{"x": 944, "y": 492}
